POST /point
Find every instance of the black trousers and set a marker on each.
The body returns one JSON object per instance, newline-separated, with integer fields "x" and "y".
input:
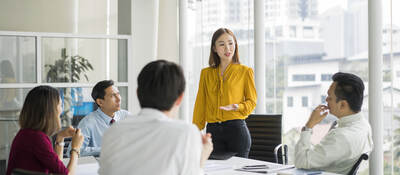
{"x": 230, "y": 136}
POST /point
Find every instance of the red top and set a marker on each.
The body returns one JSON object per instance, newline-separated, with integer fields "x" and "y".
{"x": 32, "y": 150}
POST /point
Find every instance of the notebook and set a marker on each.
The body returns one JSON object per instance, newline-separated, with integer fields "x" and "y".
{"x": 265, "y": 168}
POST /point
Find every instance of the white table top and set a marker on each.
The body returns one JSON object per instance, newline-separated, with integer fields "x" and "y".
{"x": 90, "y": 166}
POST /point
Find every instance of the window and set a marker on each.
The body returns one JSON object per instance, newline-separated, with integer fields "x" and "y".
{"x": 303, "y": 77}
{"x": 96, "y": 59}
{"x": 308, "y": 32}
{"x": 17, "y": 59}
{"x": 289, "y": 101}
{"x": 210, "y": 17}
{"x": 326, "y": 77}
{"x": 292, "y": 31}
{"x": 304, "y": 101}
{"x": 323, "y": 99}
{"x": 279, "y": 31}
{"x": 341, "y": 34}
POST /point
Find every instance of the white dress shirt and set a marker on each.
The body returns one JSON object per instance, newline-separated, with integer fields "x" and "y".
{"x": 151, "y": 143}
{"x": 339, "y": 150}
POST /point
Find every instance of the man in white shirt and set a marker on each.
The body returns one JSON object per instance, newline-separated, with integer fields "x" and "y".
{"x": 153, "y": 142}
{"x": 339, "y": 150}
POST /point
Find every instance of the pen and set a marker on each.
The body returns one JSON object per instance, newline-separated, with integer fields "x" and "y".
{"x": 248, "y": 166}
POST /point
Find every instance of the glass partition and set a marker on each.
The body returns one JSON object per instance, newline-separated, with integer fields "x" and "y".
{"x": 17, "y": 59}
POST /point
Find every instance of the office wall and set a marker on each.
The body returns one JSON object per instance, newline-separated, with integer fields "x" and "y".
{"x": 14, "y": 15}
{"x": 168, "y": 31}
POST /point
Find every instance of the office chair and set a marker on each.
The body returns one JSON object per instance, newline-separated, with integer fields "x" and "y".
{"x": 283, "y": 154}
{"x": 266, "y": 138}
{"x": 19, "y": 171}
{"x": 354, "y": 170}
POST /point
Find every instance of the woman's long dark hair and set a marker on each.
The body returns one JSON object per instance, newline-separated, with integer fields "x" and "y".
{"x": 40, "y": 110}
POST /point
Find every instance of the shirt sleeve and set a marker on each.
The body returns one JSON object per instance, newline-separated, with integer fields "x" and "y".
{"x": 44, "y": 152}
{"x": 192, "y": 152}
{"x": 250, "y": 95}
{"x": 87, "y": 150}
{"x": 200, "y": 106}
{"x": 332, "y": 148}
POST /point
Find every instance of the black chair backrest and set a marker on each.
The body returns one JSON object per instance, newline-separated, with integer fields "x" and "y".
{"x": 266, "y": 134}
{"x": 354, "y": 170}
{"x": 18, "y": 171}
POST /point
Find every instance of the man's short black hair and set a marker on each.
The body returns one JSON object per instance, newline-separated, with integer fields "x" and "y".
{"x": 349, "y": 87}
{"x": 160, "y": 83}
{"x": 99, "y": 90}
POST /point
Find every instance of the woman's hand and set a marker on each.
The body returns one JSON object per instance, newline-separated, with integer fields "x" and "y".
{"x": 67, "y": 132}
{"x": 231, "y": 107}
{"x": 77, "y": 140}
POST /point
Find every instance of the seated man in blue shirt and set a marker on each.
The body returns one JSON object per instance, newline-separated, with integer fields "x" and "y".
{"x": 108, "y": 99}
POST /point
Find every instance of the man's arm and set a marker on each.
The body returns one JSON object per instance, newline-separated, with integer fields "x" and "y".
{"x": 87, "y": 150}
{"x": 192, "y": 154}
{"x": 332, "y": 148}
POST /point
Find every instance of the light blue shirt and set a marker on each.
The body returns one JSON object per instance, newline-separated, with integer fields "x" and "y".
{"x": 92, "y": 127}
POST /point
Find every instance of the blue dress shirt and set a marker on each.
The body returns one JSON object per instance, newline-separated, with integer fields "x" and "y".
{"x": 92, "y": 127}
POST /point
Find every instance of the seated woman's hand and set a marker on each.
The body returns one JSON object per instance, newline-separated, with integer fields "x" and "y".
{"x": 67, "y": 132}
{"x": 77, "y": 139}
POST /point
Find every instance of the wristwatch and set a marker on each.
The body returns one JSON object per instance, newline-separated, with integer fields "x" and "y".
{"x": 306, "y": 129}
{"x": 75, "y": 150}
{"x": 60, "y": 144}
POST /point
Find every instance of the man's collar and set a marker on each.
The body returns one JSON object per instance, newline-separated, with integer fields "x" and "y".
{"x": 154, "y": 113}
{"x": 343, "y": 121}
{"x": 104, "y": 116}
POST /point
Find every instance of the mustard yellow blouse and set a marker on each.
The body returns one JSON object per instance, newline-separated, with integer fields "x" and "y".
{"x": 235, "y": 87}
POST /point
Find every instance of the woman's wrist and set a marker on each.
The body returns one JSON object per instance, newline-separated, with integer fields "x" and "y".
{"x": 59, "y": 139}
{"x": 74, "y": 150}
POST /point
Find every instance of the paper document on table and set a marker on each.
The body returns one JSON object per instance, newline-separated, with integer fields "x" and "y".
{"x": 87, "y": 169}
{"x": 211, "y": 167}
{"x": 265, "y": 168}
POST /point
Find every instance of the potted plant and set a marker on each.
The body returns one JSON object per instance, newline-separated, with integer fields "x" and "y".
{"x": 67, "y": 69}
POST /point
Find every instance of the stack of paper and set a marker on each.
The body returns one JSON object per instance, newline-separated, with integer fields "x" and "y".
{"x": 212, "y": 167}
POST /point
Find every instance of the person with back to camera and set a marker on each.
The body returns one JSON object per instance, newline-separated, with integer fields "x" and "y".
{"x": 39, "y": 119}
{"x": 153, "y": 141}
{"x": 226, "y": 96}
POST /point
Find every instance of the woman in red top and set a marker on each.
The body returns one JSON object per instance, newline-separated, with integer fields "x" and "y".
{"x": 31, "y": 148}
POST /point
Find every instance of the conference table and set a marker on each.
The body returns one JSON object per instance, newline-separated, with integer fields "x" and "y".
{"x": 90, "y": 166}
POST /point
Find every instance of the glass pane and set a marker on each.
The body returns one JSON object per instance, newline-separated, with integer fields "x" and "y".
{"x": 17, "y": 59}
{"x": 123, "y": 91}
{"x": 391, "y": 85}
{"x": 10, "y": 107}
{"x": 76, "y": 103}
{"x": 306, "y": 62}
{"x": 82, "y": 60}
{"x": 208, "y": 16}
{"x": 122, "y": 62}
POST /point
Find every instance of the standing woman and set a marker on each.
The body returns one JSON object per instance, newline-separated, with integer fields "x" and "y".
{"x": 39, "y": 119}
{"x": 226, "y": 96}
